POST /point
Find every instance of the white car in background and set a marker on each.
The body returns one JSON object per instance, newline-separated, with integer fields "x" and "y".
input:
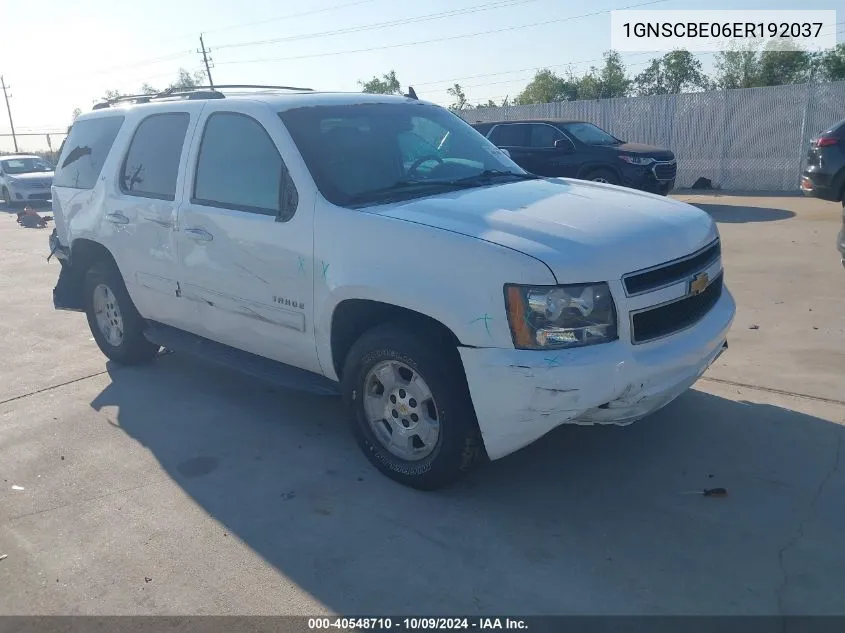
{"x": 25, "y": 178}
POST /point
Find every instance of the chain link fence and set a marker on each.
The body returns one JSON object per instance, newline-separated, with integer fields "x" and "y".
{"x": 752, "y": 139}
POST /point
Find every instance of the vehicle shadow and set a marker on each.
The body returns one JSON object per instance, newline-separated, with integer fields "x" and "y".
{"x": 587, "y": 520}
{"x": 728, "y": 213}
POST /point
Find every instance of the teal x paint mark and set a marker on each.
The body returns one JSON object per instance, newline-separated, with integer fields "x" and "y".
{"x": 301, "y": 264}
{"x": 554, "y": 361}
{"x": 325, "y": 270}
{"x": 486, "y": 318}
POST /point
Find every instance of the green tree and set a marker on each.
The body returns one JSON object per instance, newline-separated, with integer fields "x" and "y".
{"x": 779, "y": 67}
{"x": 460, "y": 103}
{"x": 547, "y": 87}
{"x": 386, "y": 85}
{"x": 677, "y": 71}
{"x": 832, "y": 64}
{"x": 186, "y": 80}
{"x": 108, "y": 95}
{"x": 613, "y": 80}
{"x": 589, "y": 86}
{"x": 738, "y": 67}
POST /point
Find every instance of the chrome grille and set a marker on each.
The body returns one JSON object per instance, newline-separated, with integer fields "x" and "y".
{"x": 665, "y": 170}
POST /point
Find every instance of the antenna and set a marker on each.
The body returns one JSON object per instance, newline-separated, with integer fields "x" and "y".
{"x": 412, "y": 93}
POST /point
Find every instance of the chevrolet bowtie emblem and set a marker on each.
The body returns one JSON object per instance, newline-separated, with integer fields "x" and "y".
{"x": 699, "y": 283}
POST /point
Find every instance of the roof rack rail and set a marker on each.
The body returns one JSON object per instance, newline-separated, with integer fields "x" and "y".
{"x": 194, "y": 92}
{"x": 226, "y": 86}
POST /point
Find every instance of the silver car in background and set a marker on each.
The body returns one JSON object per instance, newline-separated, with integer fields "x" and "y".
{"x": 25, "y": 178}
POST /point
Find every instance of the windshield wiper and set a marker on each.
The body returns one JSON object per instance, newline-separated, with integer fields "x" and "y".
{"x": 401, "y": 186}
{"x": 488, "y": 175}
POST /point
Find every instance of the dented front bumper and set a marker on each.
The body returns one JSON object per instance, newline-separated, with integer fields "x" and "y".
{"x": 521, "y": 395}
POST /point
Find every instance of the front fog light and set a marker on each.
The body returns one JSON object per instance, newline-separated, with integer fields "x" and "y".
{"x": 554, "y": 317}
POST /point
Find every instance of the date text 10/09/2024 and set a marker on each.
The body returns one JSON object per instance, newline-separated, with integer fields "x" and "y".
{"x": 416, "y": 624}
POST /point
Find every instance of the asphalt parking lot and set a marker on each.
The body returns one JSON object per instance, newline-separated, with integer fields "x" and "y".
{"x": 182, "y": 488}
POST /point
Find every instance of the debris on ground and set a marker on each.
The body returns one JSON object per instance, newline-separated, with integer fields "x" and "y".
{"x": 30, "y": 219}
{"x": 4, "y": 556}
{"x": 702, "y": 183}
{"x": 17, "y": 488}
{"x": 753, "y": 326}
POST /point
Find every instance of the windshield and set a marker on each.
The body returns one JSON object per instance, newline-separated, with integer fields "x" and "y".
{"x": 374, "y": 153}
{"x": 590, "y": 134}
{"x": 25, "y": 165}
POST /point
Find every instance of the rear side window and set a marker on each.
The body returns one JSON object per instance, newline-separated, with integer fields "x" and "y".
{"x": 151, "y": 165}
{"x": 240, "y": 168}
{"x": 85, "y": 151}
{"x": 511, "y": 136}
{"x": 544, "y": 136}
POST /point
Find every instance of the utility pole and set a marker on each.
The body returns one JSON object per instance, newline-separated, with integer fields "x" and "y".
{"x": 206, "y": 61}
{"x": 9, "y": 110}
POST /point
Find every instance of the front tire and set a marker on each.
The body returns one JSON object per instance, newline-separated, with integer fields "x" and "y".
{"x": 115, "y": 324}
{"x": 603, "y": 175}
{"x": 409, "y": 407}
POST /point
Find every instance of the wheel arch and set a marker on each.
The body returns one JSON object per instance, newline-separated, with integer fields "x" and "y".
{"x": 351, "y": 318}
{"x": 589, "y": 167}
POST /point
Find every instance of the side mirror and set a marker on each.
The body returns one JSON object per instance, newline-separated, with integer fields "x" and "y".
{"x": 564, "y": 145}
{"x": 505, "y": 152}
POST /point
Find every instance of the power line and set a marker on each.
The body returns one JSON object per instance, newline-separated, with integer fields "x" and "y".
{"x": 289, "y": 16}
{"x": 521, "y": 70}
{"x": 489, "y": 6}
{"x": 441, "y": 39}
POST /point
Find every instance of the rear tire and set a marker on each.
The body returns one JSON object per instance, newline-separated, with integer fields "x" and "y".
{"x": 602, "y": 175}
{"x": 7, "y": 197}
{"x": 409, "y": 407}
{"x": 115, "y": 324}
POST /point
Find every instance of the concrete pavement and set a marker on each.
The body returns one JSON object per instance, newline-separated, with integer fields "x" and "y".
{"x": 183, "y": 488}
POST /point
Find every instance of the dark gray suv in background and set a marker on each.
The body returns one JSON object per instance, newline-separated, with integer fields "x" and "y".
{"x": 824, "y": 175}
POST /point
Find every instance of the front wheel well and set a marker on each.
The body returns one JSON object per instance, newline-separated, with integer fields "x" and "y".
{"x": 587, "y": 169}
{"x": 353, "y": 317}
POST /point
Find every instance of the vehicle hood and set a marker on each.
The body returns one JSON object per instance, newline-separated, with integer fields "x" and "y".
{"x": 648, "y": 151}
{"x": 37, "y": 176}
{"x": 583, "y": 231}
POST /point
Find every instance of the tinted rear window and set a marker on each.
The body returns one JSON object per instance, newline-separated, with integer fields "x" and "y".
{"x": 85, "y": 151}
{"x": 151, "y": 165}
{"x": 514, "y": 135}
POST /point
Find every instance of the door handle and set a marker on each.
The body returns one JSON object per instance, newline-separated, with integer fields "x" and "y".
{"x": 200, "y": 235}
{"x": 165, "y": 223}
{"x": 117, "y": 218}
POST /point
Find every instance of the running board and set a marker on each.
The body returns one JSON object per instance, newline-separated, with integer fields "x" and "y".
{"x": 177, "y": 340}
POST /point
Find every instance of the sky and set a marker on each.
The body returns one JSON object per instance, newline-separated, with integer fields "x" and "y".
{"x": 58, "y": 55}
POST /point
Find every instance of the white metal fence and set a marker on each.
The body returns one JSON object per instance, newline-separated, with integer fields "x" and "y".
{"x": 751, "y": 139}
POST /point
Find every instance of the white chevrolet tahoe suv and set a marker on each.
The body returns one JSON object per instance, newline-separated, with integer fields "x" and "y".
{"x": 379, "y": 248}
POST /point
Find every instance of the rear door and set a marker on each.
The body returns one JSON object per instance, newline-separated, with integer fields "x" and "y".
{"x": 245, "y": 237}
{"x": 516, "y": 138}
{"x": 549, "y": 159}
{"x": 142, "y": 206}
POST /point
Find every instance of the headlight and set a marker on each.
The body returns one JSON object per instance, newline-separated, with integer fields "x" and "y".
{"x": 556, "y": 317}
{"x": 636, "y": 160}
